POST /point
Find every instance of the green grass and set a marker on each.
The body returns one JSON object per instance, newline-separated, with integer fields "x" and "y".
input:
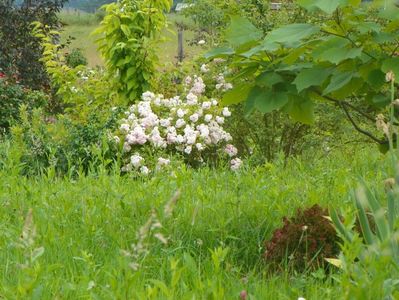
{"x": 83, "y": 40}
{"x": 80, "y": 25}
{"x": 83, "y": 224}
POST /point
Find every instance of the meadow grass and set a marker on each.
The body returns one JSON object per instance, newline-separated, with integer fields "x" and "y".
{"x": 216, "y": 231}
{"x": 79, "y": 25}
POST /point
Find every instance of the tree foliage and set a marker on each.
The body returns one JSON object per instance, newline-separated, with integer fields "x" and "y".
{"x": 20, "y": 52}
{"x": 341, "y": 55}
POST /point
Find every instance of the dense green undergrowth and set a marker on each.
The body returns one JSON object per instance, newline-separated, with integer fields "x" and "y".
{"x": 216, "y": 232}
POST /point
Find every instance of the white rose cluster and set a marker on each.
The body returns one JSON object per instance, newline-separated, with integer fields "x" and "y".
{"x": 191, "y": 125}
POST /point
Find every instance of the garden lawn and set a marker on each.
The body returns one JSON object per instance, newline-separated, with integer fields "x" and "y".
{"x": 216, "y": 232}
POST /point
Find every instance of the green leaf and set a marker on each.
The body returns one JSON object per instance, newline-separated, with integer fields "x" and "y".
{"x": 378, "y": 213}
{"x": 242, "y": 31}
{"x": 292, "y": 33}
{"x": 390, "y": 11}
{"x": 335, "y": 50}
{"x": 126, "y": 30}
{"x": 218, "y": 52}
{"x": 236, "y": 95}
{"x": 266, "y": 100}
{"x": 268, "y": 79}
{"x": 337, "y": 55}
{"x": 391, "y": 64}
{"x": 265, "y": 46}
{"x": 353, "y": 87}
{"x": 338, "y": 81}
{"x": 340, "y": 227}
{"x": 328, "y": 6}
{"x": 376, "y": 79}
{"x": 311, "y": 77}
{"x": 301, "y": 109}
{"x": 361, "y": 204}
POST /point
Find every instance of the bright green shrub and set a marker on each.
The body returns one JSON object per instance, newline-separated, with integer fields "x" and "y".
{"x": 64, "y": 145}
{"x": 128, "y": 37}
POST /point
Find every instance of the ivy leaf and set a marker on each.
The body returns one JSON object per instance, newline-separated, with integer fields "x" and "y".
{"x": 338, "y": 81}
{"x": 311, "y": 77}
{"x": 301, "y": 109}
{"x": 291, "y": 33}
{"x": 265, "y": 100}
{"x": 236, "y": 95}
{"x": 242, "y": 31}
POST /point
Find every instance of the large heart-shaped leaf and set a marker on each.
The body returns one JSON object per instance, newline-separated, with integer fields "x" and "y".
{"x": 301, "y": 109}
{"x": 311, "y": 77}
{"x": 242, "y": 31}
{"x": 219, "y": 52}
{"x": 338, "y": 81}
{"x": 236, "y": 95}
{"x": 328, "y": 6}
{"x": 291, "y": 33}
{"x": 265, "y": 100}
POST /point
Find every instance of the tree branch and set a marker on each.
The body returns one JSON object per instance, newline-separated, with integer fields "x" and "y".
{"x": 365, "y": 132}
{"x": 359, "y": 111}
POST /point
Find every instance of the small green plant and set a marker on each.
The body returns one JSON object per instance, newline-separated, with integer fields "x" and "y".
{"x": 370, "y": 262}
{"x": 76, "y": 58}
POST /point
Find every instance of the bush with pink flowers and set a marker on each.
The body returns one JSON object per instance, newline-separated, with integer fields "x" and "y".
{"x": 189, "y": 126}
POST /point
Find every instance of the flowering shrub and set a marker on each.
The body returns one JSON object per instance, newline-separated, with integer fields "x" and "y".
{"x": 304, "y": 241}
{"x": 189, "y": 125}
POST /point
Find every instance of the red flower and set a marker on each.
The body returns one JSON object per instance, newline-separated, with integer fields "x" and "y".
{"x": 2, "y": 75}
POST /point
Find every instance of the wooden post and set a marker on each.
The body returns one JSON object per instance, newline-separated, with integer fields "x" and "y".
{"x": 180, "y": 50}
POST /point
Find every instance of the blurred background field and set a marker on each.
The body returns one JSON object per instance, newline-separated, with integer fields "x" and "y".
{"x": 78, "y": 26}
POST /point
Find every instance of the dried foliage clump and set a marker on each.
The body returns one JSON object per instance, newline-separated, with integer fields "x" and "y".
{"x": 304, "y": 241}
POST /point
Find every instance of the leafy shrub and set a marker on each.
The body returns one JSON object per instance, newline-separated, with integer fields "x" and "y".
{"x": 12, "y": 96}
{"x": 82, "y": 91}
{"x": 76, "y": 58}
{"x": 190, "y": 125}
{"x": 64, "y": 145}
{"x": 265, "y": 136}
{"x": 304, "y": 241}
{"x": 128, "y": 37}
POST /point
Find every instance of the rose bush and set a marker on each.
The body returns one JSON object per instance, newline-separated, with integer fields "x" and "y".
{"x": 191, "y": 125}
